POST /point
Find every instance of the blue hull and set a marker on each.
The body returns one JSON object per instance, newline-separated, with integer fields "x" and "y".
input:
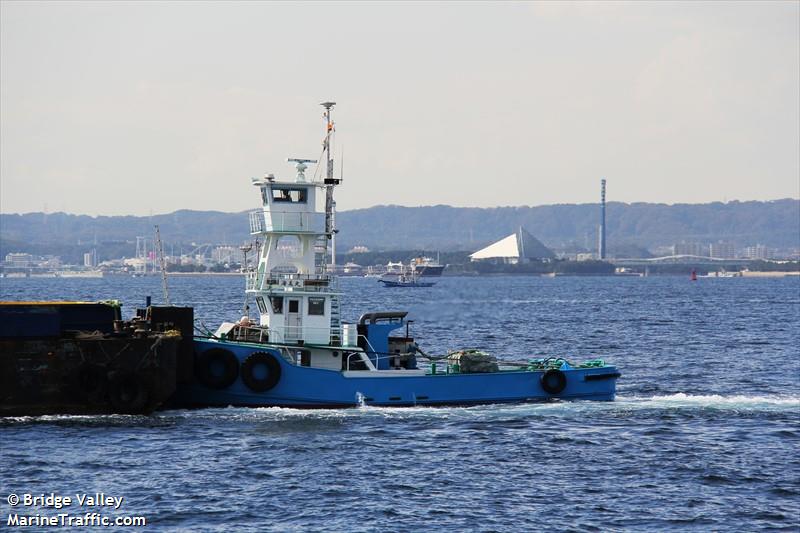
{"x": 319, "y": 388}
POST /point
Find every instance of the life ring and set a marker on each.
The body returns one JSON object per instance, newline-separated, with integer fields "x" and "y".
{"x": 128, "y": 393}
{"x": 217, "y": 368}
{"x": 553, "y": 381}
{"x": 269, "y": 380}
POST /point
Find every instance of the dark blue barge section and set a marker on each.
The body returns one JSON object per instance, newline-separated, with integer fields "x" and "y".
{"x": 82, "y": 358}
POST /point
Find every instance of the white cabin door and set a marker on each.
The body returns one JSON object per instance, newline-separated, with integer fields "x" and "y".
{"x": 294, "y": 319}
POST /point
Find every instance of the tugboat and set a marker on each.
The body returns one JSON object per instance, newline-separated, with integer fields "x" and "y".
{"x": 298, "y": 353}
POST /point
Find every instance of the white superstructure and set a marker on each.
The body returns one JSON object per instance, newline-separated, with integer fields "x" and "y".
{"x": 295, "y": 295}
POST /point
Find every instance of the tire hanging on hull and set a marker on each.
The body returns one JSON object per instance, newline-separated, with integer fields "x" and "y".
{"x": 89, "y": 382}
{"x": 210, "y": 361}
{"x": 261, "y": 384}
{"x": 553, "y": 381}
{"x": 128, "y": 393}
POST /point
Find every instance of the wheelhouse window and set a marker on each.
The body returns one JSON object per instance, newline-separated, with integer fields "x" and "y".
{"x": 292, "y": 195}
{"x": 277, "y": 304}
{"x": 294, "y": 306}
{"x": 316, "y": 306}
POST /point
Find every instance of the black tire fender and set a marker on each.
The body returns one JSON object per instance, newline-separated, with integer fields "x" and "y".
{"x": 206, "y": 361}
{"x": 89, "y": 382}
{"x": 553, "y": 381}
{"x": 128, "y": 393}
{"x": 273, "y": 371}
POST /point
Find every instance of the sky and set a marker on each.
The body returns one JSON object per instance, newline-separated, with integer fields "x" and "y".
{"x": 110, "y": 108}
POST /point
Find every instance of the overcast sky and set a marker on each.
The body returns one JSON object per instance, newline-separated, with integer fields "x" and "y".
{"x": 148, "y": 107}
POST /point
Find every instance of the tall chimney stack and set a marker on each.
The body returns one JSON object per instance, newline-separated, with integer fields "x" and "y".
{"x": 601, "y": 248}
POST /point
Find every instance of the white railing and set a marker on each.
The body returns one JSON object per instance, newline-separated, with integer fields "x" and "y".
{"x": 362, "y": 357}
{"x": 286, "y": 221}
{"x": 295, "y": 282}
{"x": 256, "y": 222}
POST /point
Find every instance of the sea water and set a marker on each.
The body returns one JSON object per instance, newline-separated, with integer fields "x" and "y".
{"x": 703, "y": 435}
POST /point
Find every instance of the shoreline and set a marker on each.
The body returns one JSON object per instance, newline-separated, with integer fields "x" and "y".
{"x": 744, "y": 274}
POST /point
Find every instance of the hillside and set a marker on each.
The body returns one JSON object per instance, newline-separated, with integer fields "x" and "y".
{"x": 567, "y": 226}
{"x": 775, "y": 224}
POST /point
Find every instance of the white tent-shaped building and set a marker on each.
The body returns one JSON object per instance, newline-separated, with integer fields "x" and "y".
{"x": 519, "y": 247}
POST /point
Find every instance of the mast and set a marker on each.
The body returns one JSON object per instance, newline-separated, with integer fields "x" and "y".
{"x": 245, "y": 269}
{"x": 162, "y": 265}
{"x": 333, "y": 235}
{"x": 330, "y": 182}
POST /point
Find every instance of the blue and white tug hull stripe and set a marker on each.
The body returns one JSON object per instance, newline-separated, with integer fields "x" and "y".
{"x": 290, "y": 385}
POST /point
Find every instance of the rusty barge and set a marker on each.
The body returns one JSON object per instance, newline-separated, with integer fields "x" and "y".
{"x": 82, "y": 358}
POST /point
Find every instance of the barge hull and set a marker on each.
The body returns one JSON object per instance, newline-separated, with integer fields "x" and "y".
{"x": 80, "y": 358}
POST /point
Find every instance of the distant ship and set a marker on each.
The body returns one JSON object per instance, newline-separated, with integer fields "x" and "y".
{"x": 406, "y": 281}
{"x": 427, "y": 267}
{"x": 404, "y": 278}
{"x": 721, "y": 274}
{"x": 417, "y": 268}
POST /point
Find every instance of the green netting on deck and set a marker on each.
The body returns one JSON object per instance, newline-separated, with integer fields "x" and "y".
{"x": 558, "y": 362}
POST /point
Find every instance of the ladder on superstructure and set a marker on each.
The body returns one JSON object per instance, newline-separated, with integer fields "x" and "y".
{"x": 321, "y": 269}
{"x": 336, "y": 321}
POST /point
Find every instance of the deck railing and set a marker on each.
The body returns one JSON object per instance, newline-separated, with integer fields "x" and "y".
{"x": 297, "y": 282}
{"x": 357, "y": 358}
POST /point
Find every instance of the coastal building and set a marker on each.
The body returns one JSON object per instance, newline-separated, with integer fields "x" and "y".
{"x": 689, "y": 248}
{"x": 18, "y": 260}
{"x": 139, "y": 264}
{"x": 50, "y": 262}
{"x": 519, "y": 247}
{"x": 90, "y": 259}
{"x": 186, "y": 259}
{"x": 112, "y": 264}
{"x": 722, "y": 250}
{"x": 601, "y": 244}
{"x": 759, "y": 251}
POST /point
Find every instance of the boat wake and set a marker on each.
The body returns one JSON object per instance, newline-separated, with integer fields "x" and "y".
{"x": 718, "y": 401}
{"x": 672, "y": 402}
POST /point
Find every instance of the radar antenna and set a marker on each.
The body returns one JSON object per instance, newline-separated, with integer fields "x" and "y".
{"x": 300, "y": 165}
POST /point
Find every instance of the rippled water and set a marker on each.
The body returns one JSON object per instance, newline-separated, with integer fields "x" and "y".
{"x": 704, "y": 434}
